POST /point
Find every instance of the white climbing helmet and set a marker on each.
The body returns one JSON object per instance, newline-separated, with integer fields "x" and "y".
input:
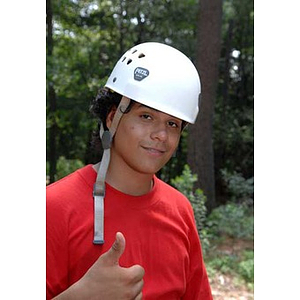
{"x": 158, "y": 76}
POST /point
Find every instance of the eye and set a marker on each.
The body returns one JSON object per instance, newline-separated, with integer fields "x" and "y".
{"x": 173, "y": 124}
{"x": 146, "y": 116}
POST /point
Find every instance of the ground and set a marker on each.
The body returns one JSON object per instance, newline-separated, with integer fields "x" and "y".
{"x": 224, "y": 287}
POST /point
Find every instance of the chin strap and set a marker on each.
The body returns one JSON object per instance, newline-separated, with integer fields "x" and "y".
{"x": 106, "y": 137}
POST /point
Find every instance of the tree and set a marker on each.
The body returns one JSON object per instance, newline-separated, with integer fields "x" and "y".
{"x": 233, "y": 123}
{"x": 51, "y": 95}
{"x": 200, "y": 139}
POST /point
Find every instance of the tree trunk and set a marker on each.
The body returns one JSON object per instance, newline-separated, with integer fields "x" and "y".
{"x": 200, "y": 141}
{"x": 51, "y": 96}
{"x": 220, "y": 154}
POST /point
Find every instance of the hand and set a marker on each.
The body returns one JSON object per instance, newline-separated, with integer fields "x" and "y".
{"x": 106, "y": 280}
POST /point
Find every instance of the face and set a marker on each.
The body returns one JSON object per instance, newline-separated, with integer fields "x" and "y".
{"x": 145, "y": 139}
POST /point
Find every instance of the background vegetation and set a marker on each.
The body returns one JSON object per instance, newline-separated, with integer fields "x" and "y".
{"x": 84, "y": 40}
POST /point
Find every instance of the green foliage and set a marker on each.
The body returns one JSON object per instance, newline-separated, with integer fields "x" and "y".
{"x": 240, "y": 189}
{"x": 234, "y": 107}
{"x": 234, "y": 136}
{"x": 226, "y": 264}
{"x": 239, "y": 265}
{"x": 66, "y": 166}
{"x": 233, "y": 220}
{"x": 228, "y": 227}
{"x": 185, "y": 184}
{"x": 246, "y": 266}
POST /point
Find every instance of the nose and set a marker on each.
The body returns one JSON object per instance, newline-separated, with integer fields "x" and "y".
{"x": 159, "y": 133}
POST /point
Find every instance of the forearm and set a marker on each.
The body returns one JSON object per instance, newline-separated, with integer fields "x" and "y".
{"x": 74, "y": 292}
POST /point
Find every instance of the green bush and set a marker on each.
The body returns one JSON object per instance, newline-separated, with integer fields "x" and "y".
{"x": 65, "y": 166}
{"x": 241, "y": 190}
{"x": 239, "y": 265}
{"x": 233, "y": 220}
{"x": 185, "y": 184}
{"x": 246, "y": 269}
{"x": 225, "y": 264}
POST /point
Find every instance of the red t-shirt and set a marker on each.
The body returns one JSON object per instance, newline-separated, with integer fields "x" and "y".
{"x": 159, "y": 229}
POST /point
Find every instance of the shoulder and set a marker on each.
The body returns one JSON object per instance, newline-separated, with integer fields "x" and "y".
{"x": 173, "y": 196}
{"x": 71, "y": 187}
{"x": 177, "y": 208}
{"x": 168, "y": 189}
{"x": 81, "y": 176}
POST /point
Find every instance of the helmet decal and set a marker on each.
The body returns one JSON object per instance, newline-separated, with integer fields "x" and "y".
{"x": 140, "y": 73}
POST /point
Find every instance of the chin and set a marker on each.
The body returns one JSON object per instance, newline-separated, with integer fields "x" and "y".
{"x": 152, "y": 169}
{"x": 146, "y": 168}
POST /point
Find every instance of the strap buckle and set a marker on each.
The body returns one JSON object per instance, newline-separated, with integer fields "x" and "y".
{"x": 106, "y": 139}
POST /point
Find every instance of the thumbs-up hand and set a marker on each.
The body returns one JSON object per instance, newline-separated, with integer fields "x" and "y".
{"x": 106, "y": 280}
{"x": 116, "y": 282}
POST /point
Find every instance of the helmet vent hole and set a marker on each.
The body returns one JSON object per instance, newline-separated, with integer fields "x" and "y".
{"x": 141, "y": 55}
{"x": 129, "y": 61}
{"x": 123, "y": 58}
{"x": 134, "y": 51}
{"x": 115, "y": 79}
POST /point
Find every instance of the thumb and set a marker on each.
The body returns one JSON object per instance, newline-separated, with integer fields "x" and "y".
{"x": 115, "y": 252}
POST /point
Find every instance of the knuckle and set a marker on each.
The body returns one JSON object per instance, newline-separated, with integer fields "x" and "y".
{"x": 132, "y": 277}
{"x": 139, "y": 270}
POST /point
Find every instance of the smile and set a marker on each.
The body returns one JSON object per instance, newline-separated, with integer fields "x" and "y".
{"x": 154, "y": 151}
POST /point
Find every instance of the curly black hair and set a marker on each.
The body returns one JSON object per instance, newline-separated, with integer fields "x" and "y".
{"x": 105, "y": 101}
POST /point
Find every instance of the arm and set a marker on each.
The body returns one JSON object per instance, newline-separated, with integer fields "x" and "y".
{"x": 198, "y": 287}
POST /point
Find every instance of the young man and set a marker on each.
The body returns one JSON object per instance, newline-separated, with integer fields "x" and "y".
{"x": 114, "y": 230}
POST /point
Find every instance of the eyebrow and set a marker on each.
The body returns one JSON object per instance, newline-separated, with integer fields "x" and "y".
{"x": 140, "y": 105}
{"x": 183, "y": 123}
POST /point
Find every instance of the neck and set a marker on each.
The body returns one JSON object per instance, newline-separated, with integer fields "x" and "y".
{"x": 127, "y": 181}
{"x": 127, "y": 184}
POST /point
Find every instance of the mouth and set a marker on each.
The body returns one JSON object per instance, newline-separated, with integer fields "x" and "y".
{"x": 154, "y": 151}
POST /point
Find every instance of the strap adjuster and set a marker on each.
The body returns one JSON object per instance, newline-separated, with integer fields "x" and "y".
{"x": 99, "y": 189}
{"x": 106, "y": 139}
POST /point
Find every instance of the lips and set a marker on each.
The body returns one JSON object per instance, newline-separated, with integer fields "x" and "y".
{"x": 155, "y": 151}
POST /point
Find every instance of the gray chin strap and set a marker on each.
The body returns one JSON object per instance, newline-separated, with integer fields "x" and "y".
{"x": 99, "y": 186}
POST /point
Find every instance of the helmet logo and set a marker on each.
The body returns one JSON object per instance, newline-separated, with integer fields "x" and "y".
{"x": 140, "y": 73}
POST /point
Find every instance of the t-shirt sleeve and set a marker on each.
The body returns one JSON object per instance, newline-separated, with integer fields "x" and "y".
{"x": 198, "y": 287}
{"x": 56, "y": 245}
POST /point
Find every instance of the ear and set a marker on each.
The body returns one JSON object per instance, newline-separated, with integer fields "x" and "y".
{"x": 110, "y": 117}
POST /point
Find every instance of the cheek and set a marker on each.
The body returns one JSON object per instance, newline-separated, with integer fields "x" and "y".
{"x": 127, "y": 136}
{"x": 134, "y": 132}
{"x": 174, "y": 141}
